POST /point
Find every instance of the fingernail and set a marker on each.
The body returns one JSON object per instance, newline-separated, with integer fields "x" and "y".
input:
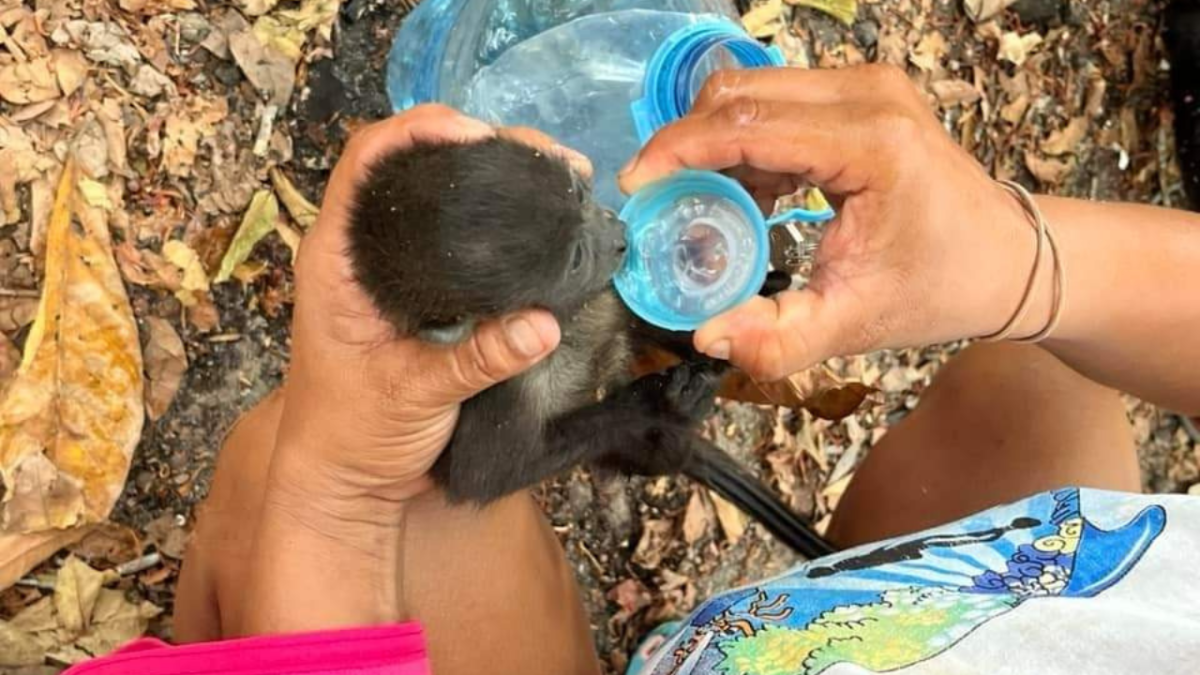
{"x": 523, "y": 337}
{"x": 719, "y": 350}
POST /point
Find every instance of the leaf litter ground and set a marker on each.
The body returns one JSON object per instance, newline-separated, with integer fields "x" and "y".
{"x": 203, "y": 126}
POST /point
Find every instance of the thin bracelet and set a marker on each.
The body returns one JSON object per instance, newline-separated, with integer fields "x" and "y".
{"x": 1039, "y": 224}
{"x": 1059, "y": 282}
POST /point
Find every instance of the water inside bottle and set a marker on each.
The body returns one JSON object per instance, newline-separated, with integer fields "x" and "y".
{"x": 717, "y": 59}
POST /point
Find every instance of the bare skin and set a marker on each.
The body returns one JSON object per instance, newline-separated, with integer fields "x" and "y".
{"x": 326, "y": 484}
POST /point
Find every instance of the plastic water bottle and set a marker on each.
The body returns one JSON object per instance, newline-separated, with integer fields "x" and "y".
{"x": 571, "y": 68}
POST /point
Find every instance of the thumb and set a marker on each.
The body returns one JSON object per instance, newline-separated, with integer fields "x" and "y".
{"x": 772, "y": 338}
{"x": 498, "y": 350}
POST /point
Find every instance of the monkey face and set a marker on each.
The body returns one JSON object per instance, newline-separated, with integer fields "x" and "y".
{"x": 445, "y": 235}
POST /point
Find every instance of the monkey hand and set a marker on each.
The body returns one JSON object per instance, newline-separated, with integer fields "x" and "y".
{"x": 366, "y": 414}
{"x": 926, "y": 247}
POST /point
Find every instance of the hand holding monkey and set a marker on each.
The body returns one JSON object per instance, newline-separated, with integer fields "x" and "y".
{"x": 366, "y": 414}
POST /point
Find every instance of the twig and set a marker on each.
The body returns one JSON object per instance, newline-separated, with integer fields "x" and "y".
{"x": 34, "y": 582}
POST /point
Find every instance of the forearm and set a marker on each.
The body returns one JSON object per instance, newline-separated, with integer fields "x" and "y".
{"x": 318, "y": 563}
{"x": 1131, "y": 318}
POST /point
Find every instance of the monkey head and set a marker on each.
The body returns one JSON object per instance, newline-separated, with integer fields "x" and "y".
{"x": 442, "y": 236}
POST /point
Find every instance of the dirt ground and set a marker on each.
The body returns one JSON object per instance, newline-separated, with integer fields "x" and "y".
{"x": 1084, "y": 113}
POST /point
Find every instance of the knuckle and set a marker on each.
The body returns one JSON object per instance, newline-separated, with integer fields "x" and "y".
{"x": 720, "y": 84}
{"x": 886, "y": 76}
{"x": 479, "y": 366}
{"x": 740, "y": 112}
{"x": 896, "y": 129}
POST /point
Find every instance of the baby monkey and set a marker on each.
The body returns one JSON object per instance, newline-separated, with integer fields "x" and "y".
{"x": 445, "y": 236}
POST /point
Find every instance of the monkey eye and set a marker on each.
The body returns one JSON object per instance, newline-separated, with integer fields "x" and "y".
{"x": 577, "y": 258}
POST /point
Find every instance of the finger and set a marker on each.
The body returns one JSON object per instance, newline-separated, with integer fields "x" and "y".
{"x": 867, "y": 82}
{"x": 542, "y": 141}
{"x": 836, "y": 147}
{"x": 497, "y": 351}
{"x": 771, "y": 338}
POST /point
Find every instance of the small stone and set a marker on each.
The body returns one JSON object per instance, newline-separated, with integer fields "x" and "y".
{"x": 194, "y": 28}
{"x": 866, "y": 33}
{"x": 150, "y": 83}
{"x": 227, "y": 74}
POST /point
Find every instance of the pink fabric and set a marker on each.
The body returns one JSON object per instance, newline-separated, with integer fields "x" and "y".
{"x": 384, "y": 650}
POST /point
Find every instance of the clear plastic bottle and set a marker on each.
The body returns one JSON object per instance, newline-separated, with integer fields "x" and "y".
{"x": 571, "y": 68}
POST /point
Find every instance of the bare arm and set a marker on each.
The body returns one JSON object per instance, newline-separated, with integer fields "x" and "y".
{"x": 1132, "y": 314}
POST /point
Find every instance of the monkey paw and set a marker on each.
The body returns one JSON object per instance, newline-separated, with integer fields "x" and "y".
{"x": 691, "y": 390}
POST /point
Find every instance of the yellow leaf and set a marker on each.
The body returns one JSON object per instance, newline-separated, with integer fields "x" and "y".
{"x": 94, "y": 193}
{"x": 311, "y": 15}
{"x": 764, "y": 20}
{"x": 258, "y": 222}
{"x": 298, "y": 207}
{"x": 71, "y": 417}
{"x": 845, "y": 11}
{"x": 733, "y": 521}
{"x": 185, "y": 258}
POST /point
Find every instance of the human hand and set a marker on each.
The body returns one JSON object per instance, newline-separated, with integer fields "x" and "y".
{"x": 926, "y": 246}
{"x": 366, "y": 414}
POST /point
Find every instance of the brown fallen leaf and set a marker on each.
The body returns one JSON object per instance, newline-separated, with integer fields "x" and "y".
{"x": 955, "y": 92}
{"x": 697, "y": 518}
{"x": 153, "y": 7}
{"x": 631, "y": 597}
{"x": 82, "y": 620}
{"x": 656, "y": 537}
{"x": 928, "y": 53}
{"x": 1049, "y": 171}
{"x": 71, "y": 417}
{"x": 10, "y": 359}
{"x": 270, "y": 70}
{"x": 166, "y": 363}
{"x": 733, "y": 521}
{"x": 28, "y": 82}
{"x": 21, "y": 552}
{"x": 70, "y": 70}
{"x": 1014, "y": 111}
{"x": 1066, "y": 140}
{"x": 108, "y": 544}
{"x": 203, "y": 313}
{"x": 184, "y": 128}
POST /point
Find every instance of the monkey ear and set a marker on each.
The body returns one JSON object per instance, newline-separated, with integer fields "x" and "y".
{"x": 448, "y": 334}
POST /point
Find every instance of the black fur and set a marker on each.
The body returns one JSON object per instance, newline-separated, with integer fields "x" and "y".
{"x": 444, "y": 236}
{"x": 1182, "y": 37}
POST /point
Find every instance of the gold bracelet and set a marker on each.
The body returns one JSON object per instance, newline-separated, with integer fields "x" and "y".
{"x": 1045, "y": 239}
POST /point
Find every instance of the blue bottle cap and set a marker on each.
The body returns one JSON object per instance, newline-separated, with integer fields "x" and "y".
{"x": 679, "y": 68}
{"x": 698, "y": 246}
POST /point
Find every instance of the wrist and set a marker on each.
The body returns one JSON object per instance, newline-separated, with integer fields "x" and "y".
{"x": 1022, "y": 297}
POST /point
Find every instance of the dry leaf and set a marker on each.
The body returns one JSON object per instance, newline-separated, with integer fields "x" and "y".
{"x": 290, "y": 237}
{"x": 656, "y": 537}
{"x": 845, "y": 11}
{"x": 258, "y": 222}
{"x": 70, "y": 69}
{"x": 203, "y": 313}
{"x": 187, "y": 260}
{"x": 298, "y": 207}
{"x": 982, "y": 10}
{"x": 1016, "y": 48}
{"x": 765, "y": 20}
{"x": 109, "y": 543}
{"x": 166, "y": 363}
{"x": 153, "y": 7}
{"x": 631, "y": 597}
{"x": 733, "y": 521}
{"x": 80, "y": 621}
{"x": 1014, "y": 112}
{"x": 28, "y": 82}
{"x": 183, "y": 130}
{"x": 928, "y": 53}
{"x": 267, "y": 54}
{"x": 257, "y": 7}
{"x": 955, "y": 92}
{"x": 21, "y": 552}
{"x": 1049, "y": 171}
{"x": 71, "y": 418}
{"x": 1066, "y": 140}
{"x": 10, "y": 359}
{"x": 697, "y": 519}
{"x": 168, "y": 536}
